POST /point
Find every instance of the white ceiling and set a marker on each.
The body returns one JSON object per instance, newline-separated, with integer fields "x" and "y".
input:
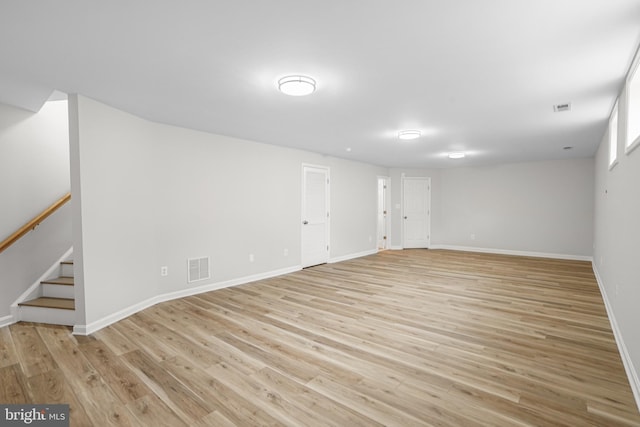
{"x": 478, "y": 76}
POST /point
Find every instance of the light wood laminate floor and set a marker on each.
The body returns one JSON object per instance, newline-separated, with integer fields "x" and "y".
{"x": 401, "y": 338}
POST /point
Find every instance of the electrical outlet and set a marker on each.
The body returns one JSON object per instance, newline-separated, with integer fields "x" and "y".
{"x": 251, "y": 258}
{"x": 164, "y": 271}
{"x": 473, "y": 237}
{"x": 370, "y": 239}
{"x": 286, "y": 252}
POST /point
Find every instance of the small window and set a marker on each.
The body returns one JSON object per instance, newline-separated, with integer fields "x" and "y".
{"x": 633, "y": 109}
{"x": 613, "y": 136}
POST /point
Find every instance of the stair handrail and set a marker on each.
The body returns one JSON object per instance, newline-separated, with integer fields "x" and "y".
{"x": 31, "y": 225}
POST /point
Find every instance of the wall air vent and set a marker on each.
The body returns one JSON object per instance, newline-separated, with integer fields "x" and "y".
{"x": 558, "y": 108}
{"x": 198, "y": 269}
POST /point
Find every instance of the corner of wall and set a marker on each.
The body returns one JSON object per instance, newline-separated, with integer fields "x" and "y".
{"x": 76, "y": 204}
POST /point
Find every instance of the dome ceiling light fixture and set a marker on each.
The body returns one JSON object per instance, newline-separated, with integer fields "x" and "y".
{"x": 409, "y": 134}
{"x": 297, "y": 85}
{"x": 457, "y": 155}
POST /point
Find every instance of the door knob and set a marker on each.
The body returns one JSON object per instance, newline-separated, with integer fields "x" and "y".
{"x": 305, "y": 222}
{"x": 405, "y": 217}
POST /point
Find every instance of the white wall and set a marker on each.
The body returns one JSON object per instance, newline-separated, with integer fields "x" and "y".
{"x": 617, "y": 244}
{"x": 154, "y": 195}
{"x": 537, "y": 207}
{"x": 34, "y": 162}
{"x": 543, "y": 207}
{"x": 34, "y": 173}
{"x": 114, "y": 207}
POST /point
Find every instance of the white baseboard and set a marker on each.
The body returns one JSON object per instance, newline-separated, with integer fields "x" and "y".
{"x": 353, "y": 256}
{"x": 396, "y": 248}
{"x": 632, "y": 373}
{"x": 511, "y": 252}
{"x": 126, "y": 312}
{"x": 7, "y": 320}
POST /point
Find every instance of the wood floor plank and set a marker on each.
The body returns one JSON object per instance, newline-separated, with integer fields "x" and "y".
{"x": 230, "y": 354}
{"x": 8, "y": 354}
{"x": 215, "y": 419}
{"x": 149, "y": 410}
{"x": 53, "y": 388}
{"x": 403, "y": 338}
{"x": 12, "y": 385}
{"x": 116, "y": 341}
{"x": 270, "y": 355}
{"x": 144, "y": 339}
{"x": 364, "y": 404}
{"x": 33, "y": 354}
{"x": 127, "y": 386}
{"x": 265, "y": 398}
{"x": 175, "y": 316}
{"x": 327, "y": 411}
{"x": 188, "y": 405}
{"x": 178, "y": 341}
{"x": 100, "y": 403}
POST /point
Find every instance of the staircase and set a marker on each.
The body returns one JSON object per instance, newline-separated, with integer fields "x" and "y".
{"x": 56, "y": 301}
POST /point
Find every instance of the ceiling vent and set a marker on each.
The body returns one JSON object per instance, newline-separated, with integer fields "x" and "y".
{"x": 198, "y": 269}
{"x": 559, "y": 108}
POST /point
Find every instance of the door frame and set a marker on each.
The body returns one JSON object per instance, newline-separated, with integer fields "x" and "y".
{"x": 428, "y": 179}
{"x": 327, "y": 204}
{"x": 387, "y": 208}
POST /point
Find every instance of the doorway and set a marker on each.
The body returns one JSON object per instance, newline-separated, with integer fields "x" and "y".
{"x": 416, "y": 212}
{"x": 315, "y": 215}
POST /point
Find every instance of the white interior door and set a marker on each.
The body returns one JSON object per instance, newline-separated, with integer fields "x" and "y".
{"x": 416, "y": 212}
{"x": 315, "y": 215}
{"x": 383, "y": 185}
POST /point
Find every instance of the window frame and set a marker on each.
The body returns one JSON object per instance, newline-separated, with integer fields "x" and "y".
{"x": 634, "y": 73}
{"x": 613, "y": 136}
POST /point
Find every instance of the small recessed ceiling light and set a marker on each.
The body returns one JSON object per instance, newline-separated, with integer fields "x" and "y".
{"x": 409, "y": 134}
{"x": 348, "y": 149}
{"x": 297, "y": 85}
{"x": 459, "y": 155}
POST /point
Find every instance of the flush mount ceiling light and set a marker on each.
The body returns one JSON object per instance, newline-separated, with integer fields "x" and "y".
{"x": 409, "y": 134}
{"x": 297, "y": 85}
{"x": 458, "y": 155}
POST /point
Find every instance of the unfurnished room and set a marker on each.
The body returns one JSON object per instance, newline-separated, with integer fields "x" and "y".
{"x": 306, "y": 213}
